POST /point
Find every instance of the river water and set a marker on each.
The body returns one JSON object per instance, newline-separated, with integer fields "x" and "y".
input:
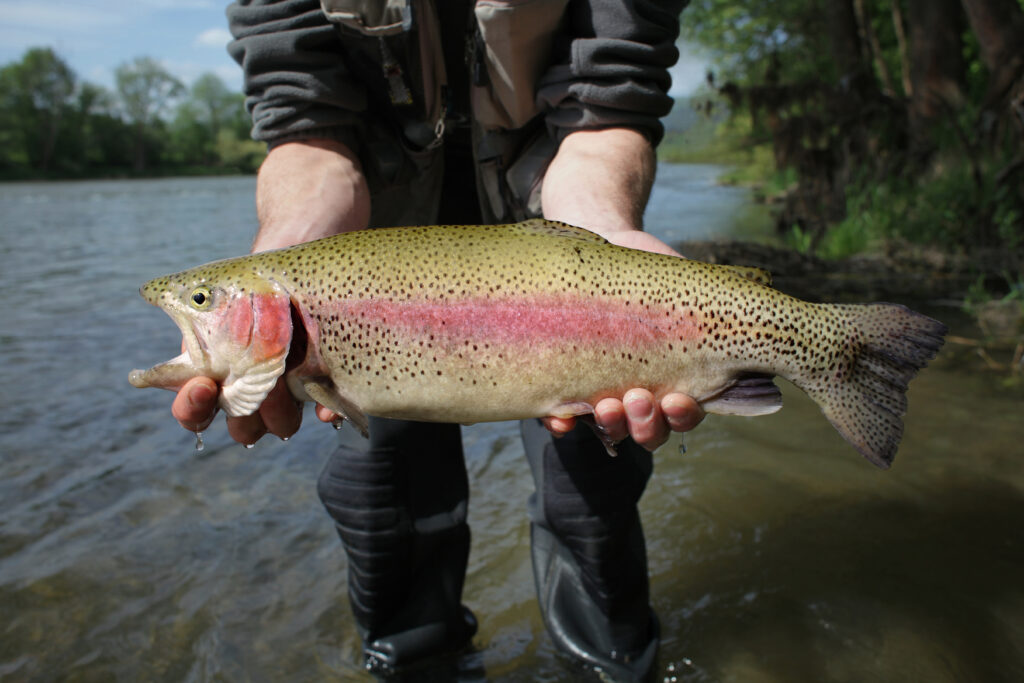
{"x": 776, "y": 553}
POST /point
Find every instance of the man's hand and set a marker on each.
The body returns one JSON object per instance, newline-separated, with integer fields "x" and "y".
{"x": 279, "y": 414}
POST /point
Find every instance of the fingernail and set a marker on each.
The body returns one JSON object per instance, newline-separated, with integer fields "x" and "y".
{"x": 639, "y": 409}
{"x": 200, "y": 394}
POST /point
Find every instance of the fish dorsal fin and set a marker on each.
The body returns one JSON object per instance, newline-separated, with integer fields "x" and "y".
{"x": 542, "y": 226}
{"x": 758, "y": 275}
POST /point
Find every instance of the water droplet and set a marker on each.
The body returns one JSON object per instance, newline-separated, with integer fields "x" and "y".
{"x": 199, "y": 442}
{"x": 682, "y": 446}
{"x": 250, "y": 445}
{"x": 285, "y": 438}
{"x": 338, "y": 422}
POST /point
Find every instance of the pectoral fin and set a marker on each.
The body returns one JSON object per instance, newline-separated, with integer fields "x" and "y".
{"x": 243, "y": 395}
{"x": 326, "y": 394}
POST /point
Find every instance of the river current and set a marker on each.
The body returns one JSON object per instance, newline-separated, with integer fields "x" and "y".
{"x": 776, "y": 553}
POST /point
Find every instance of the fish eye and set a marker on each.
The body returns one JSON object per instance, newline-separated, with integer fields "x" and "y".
{"x": 200, "y": 298}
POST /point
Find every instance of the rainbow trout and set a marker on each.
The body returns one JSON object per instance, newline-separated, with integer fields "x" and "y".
{"x": 483, "y": 323}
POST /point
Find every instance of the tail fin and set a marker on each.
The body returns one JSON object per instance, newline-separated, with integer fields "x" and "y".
{"x": 864, "y": 400}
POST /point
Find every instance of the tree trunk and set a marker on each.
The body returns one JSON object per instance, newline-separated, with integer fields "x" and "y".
{"x": 844, "y": 39}
{"x": 999, "y": 27}
{"x": 870, "y": 40}
{"x": 899, "y": 28}
{"x": 937, "y": 69}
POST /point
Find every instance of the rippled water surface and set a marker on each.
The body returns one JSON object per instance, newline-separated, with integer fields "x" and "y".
{"x": 776, "y": 553}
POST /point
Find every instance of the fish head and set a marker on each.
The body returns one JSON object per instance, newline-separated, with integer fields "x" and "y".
{"x": 236, "y": 327}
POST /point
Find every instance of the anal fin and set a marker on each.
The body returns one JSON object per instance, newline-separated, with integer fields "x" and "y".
{"x": 750, "y": 395}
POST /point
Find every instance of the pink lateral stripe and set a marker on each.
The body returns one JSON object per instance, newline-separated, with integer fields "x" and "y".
{"x": 534, "y": 321}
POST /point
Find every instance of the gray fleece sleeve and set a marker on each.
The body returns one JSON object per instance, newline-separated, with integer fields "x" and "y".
{"x": 612, "y": 69}
{"x": 296, "y": 83}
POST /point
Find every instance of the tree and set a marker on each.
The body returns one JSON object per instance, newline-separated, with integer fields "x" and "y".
{"x": 35, "y": 95}
{"x": 815, "y": 80}
{"x": 146, "y": 89}
{"x": 937, "y": 69}
{"x": 91, "y": 102}
{"x": 999, "y": 27}
{"x": 216, "y": 103}
{"x": 209, "y": 109}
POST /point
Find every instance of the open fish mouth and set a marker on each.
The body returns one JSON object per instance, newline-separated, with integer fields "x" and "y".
{"x": 172, "y": 374}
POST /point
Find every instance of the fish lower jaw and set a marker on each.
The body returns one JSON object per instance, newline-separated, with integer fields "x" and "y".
{"x": 137, "y": 378}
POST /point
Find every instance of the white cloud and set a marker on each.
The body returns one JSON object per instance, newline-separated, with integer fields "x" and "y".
{"x": 213, "y": 37}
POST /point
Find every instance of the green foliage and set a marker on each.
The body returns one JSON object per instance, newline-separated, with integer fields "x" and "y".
{"x": 145, "y": 88}
{"x": 54, "y": 125}
{"x": 35, "y": 95}
{"x": 827, "y": 100}
{"x": 799, "y": 240}
{"x": 980, "y": 293}
{"x": 946, "y": 209}
{"x": 747, "y": 39}
{"x": 244, "y": 156}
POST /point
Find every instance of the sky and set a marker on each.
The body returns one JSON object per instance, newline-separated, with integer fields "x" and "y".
{"x": 188, "y": 37}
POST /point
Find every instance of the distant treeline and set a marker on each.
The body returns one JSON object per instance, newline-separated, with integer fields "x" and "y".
{"x": 881, "y": 118}
{"x": 55, "y": 125}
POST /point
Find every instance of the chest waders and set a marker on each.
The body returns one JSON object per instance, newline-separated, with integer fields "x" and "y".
{"x": 400, "y": 506}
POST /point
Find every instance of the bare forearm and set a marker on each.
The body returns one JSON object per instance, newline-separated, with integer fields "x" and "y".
{"x": 600, "y": 180}
{"x": 307, "y": 190}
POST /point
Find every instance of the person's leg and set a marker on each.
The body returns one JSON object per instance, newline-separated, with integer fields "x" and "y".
{"x": 400, "y": 510}
{"x": 589, "y": 555}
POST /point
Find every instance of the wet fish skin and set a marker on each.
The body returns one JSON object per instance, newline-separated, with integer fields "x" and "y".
{"x": 482, "y": 323}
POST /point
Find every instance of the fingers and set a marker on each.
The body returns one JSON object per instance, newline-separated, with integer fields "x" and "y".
{"x": 279, "y": 414}
{"x": 644, "y": 419}
{"x": 610, "y": 414}
{"x": 650, "y": 424}
{"x": 246, "y": 429}
{"x": 682, "y": 412}
{"x": 637, "y": 415}
{"x": 196, "y": 404}
{"x": 559, "y": 426}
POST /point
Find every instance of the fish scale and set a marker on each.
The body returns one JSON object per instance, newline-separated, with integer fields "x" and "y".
{"x": 482, "y": 323}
